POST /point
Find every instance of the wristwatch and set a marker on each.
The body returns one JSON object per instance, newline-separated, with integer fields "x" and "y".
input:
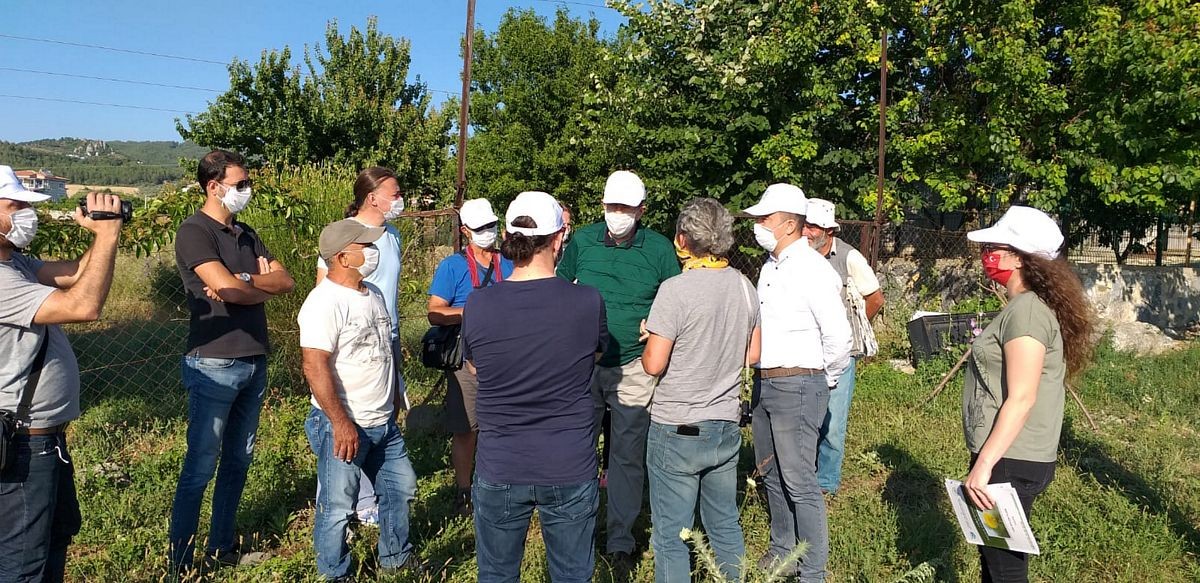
{"x": 244, "y": 276}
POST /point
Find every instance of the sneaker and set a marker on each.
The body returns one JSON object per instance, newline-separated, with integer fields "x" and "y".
{"x": 462, "y": 503}
{"x": 215, "y": 560}
{"x": 623, "y": 564}
{"x": 369, "y": 516}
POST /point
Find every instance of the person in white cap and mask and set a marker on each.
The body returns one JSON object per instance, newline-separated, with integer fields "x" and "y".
{"x": 346, "y": 345}
{"x": 627, "y": 263}
{"x": 1014, "y": 388}
{"x": 228, "y": 275}
{"x": 533, "y": 339}
{"x": 39, "y": 377}
{"x": 479, "y": 265}
{"x": 806, "y": 342}
{"x": 863, "y": 298}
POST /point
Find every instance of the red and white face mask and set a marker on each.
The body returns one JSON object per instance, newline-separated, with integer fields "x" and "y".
{"x": 991, "y": 267}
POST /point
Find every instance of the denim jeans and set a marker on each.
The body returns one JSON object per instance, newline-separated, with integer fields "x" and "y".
{"x": 684, "y": 469}
{"x": 383, "y": 457}
{"x": 568, "y": 517}
{"x": 831, "y": 449}
{"x": 39, "y": 510}
{"x": 787, "y": 418}
{"x": 225, "y": 396}
{"x": 1029, "y": 479}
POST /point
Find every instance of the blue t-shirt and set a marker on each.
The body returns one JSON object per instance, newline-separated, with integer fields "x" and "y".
{"x": 386, "y": 278}
{"x": 452, "y": 280}
{"x": 534, "y": 345}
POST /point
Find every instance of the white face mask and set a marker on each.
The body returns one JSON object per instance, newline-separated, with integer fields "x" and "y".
{"x": 24, "y": 227}
{"x": 484, "y": 238}
{"x": 393, "y": 213}
{"x": 235, "y": 200}
{"x": 765, "y": 237}
{"x": 619, "y": 224}
{"x": 370, "y": 261}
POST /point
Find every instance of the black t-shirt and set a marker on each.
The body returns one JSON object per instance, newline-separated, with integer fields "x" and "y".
{"x": 534, "y": 344}
{"x": 219, "y": 329}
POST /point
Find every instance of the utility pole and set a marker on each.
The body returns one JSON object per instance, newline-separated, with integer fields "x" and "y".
{"x": 460, "y": 189}
{"x": 878, "y": 226}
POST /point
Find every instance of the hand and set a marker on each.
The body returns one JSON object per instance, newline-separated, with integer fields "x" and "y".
{"x": 976, "y": 483}
{"x": 345, "y": 440}
{"x": 264, "y": 266}
{"x": 100, "y": 202}
{"x": 643, "y": 334}
{"x": 212, "y": 295}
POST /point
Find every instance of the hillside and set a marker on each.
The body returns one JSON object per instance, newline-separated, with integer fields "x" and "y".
{"x": 117, "y": 163}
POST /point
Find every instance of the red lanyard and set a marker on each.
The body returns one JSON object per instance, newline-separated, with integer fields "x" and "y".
{"x": 473, "y": 268}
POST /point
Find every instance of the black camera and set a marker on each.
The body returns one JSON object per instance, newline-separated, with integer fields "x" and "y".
{"x": 125, "y": 215}
{"x": 746, "y": 415}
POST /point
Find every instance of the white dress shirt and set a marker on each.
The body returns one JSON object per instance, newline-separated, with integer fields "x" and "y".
{"x": 803, "y": 318}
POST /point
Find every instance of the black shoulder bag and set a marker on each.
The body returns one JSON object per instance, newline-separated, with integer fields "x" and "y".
{"x": 441, "y": 347}
{"x": 9, "y": 424}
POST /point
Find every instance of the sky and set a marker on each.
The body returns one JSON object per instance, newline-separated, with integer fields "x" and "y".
{"x": 212, "y": 30}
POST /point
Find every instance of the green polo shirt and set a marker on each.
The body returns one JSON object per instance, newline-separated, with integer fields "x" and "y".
{"x": 627, "y": 276}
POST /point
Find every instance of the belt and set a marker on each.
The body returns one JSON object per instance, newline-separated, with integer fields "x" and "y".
{"x": 788, "y": 371}
{"x": 57, "y": 429}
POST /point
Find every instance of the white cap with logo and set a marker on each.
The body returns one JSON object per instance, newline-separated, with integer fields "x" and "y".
{"x": 780, "y": 197}
{"x": 624, "y": 187}
{"x": 539, "y": 206}
{"x": 476, "y": 213}
{"x": 821, "y": 214}
{"x": 12, "y": 188}
{"x": 1024, "y": 228}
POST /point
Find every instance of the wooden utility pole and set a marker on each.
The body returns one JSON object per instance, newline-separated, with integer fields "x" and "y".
{"x": 460, "y": 189}
{"x": 877, "y": 228}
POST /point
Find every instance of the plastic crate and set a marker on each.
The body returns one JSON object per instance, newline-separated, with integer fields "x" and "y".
{"x": 930, "y": 335}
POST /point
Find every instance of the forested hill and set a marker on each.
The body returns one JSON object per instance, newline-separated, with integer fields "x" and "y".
{"x": 109, "y": 163}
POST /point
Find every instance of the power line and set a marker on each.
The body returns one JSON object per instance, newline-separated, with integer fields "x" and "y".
{"x": 32, "y": 98}
{"x": 114, "y": 49}
{"x": 575, "y": 3}
{"x": 167, "y": 85}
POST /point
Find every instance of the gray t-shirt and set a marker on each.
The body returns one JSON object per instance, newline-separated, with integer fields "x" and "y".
{"x": 56, "y": 398}
{"x": 986, "y": 384}
{"x": 709, "y": 315}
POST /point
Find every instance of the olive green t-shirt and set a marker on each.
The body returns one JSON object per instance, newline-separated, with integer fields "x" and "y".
{"x": 986, "y": 385}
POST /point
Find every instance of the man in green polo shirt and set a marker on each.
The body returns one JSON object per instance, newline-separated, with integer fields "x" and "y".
{"x": 626, "y": 262}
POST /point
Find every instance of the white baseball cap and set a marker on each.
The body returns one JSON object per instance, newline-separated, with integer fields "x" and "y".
{"x": 1024, "y": 228}
{"x": 539, "y": 206}
{"x": 12, "y": 188}
{"x": 821, "y": 213}
{"x": 780, "y": 197}
{"x": 476, "y": 213}
{"x": 624, "y": 187}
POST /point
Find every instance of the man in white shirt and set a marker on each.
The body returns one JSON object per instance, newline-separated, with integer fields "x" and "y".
{"x": 863, "y": 298}
{"x": 805, "y": 348}
{"x": 345, "y": 340}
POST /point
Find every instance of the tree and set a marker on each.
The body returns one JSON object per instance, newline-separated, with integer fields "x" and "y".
{"x": 353, "y": 105}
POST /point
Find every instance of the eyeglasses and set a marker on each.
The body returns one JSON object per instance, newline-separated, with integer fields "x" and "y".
{"x": 241, "y": 184}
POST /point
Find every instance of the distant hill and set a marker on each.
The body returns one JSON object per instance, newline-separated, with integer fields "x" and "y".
{"x": 116, "y": 163}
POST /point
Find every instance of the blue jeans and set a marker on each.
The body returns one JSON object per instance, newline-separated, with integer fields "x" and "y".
{"x": 831, "y": 449}
{"x": 39, "y": 510}
{"x": 383, "y": 457}
{"x": 568, "y": 516}
{"x": 225, "y": 396}
{"x": 684, "y": 469}
{"x": 787, "y": 419}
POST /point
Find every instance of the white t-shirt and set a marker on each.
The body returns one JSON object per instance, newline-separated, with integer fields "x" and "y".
{"x": 355, "y": 327}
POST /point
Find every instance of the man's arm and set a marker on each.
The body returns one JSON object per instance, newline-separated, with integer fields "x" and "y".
{"x": 272, "y": 277}
{"x": 874, "y": 303}
{"x": 319, "y": 374}
{"x": 84, "y": 300}
{"x": 63, "y": 274}
{"x": 825, "y": 301}
{"x": 656, "y": 355}
{"x": 441, "y": 314}
{"x": 224, "y": 285}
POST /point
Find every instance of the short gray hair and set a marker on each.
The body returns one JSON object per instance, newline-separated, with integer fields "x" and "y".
{"x": 707, "y": 227}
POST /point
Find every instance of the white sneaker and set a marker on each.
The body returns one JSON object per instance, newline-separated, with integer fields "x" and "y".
{"x": 369, "y": 516}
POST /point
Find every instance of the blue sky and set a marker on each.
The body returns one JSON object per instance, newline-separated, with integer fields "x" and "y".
{"x": 216, "y": 30}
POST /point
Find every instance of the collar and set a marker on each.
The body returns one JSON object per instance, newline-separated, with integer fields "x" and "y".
{"x": 790, "y": 251}
{"x": 233, "y": 228}
{"x": 638, "y": 239}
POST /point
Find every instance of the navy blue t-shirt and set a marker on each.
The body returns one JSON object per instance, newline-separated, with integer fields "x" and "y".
{"x": 534, "y": 345}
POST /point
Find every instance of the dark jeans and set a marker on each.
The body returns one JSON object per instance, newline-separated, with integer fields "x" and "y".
{"x": 1029, "y": 479}
{"x": 568, "y": 516}
{"x": 39, "y": 512}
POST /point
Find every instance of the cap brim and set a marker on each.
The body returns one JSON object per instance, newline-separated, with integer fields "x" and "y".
{"x": 759, "y": 210}
{"x": 371, "y": 235}
{"x": 481, "y": 223}
{"x": 26, "y": 196}
{"x": 990, "y": 235}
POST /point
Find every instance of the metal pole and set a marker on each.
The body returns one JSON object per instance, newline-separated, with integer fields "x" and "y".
{"x": 1187, "y": 254}
{"x": 461, "y": 187}
{"x": 878, "y": 226}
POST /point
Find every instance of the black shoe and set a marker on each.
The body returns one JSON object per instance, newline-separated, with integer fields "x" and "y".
{"x": 623, "y": 564}
{"x": 462, "y": 503}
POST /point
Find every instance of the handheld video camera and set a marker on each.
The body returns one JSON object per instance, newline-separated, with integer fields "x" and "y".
{"x": 125, "y": 215}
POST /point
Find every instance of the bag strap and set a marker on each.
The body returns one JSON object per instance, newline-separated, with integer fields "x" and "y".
{"x": 35, "y": 373}
{"x": 750, "y": 336}
{"x": 473, "y": 269}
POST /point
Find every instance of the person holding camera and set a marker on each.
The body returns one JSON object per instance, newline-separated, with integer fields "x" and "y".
{"x": 701, "y": 335}
{"x": 228, "y": 275}
{"x": 39, "y": 377}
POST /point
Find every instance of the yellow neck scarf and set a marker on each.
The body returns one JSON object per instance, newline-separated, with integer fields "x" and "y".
{"x": 690, "y": 262}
